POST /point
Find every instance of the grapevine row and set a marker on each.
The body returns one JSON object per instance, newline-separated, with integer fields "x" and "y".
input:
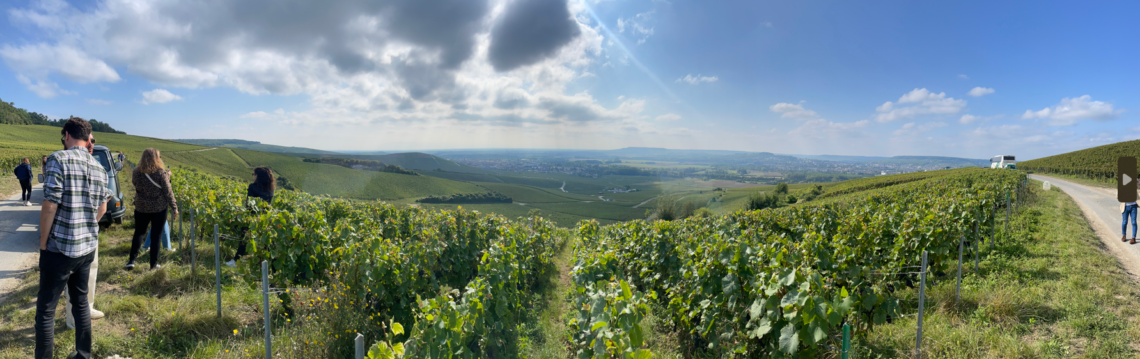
{"x": 778, "y": 282}
{"x": 385, "y": 257}
{"x": 1097, "y": 163}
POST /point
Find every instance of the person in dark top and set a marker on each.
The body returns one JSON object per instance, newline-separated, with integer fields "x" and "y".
{"x": 262, "y": 187}
{"x": 24, "y": 174}
{"x": 153, "y": 196}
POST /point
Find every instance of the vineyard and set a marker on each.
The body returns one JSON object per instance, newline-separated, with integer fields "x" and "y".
{"x": 395, "y": 263}
{"x": 782, "y": 282}
{"x": 1097, "y": 163}
{"x": 9, "y": 159}
{"x": 760, "y": 283}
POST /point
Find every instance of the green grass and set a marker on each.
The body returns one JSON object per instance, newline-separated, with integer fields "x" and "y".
{"x": 599, "y": 210}
{"x": 1091, "y": 182}
{"x": 1049, "y": 290}
{"x": 314, "y": 178}
{"x": 526, "y": 194}
{"x": 218, "y": 161}
{"x": 9, "y": 186}
{"x": 333, "y": 180}
{"x": 462, "y": 176}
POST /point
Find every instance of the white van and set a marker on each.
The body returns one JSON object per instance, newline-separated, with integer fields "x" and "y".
{"x": 1004, "y": 161}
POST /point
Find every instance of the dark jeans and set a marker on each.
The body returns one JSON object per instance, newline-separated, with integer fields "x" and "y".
{"x": 25, "y": 190}
{"x": 241, "y": 244}
{"x": 156, "y": 222}
{"x": 56, "y": 272}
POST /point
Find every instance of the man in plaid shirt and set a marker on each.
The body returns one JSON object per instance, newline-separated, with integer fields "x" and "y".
{"x": 75, "y": 198}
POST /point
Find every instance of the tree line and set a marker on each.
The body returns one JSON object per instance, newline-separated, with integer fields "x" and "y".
{"x": 12, "y": 115}
{"x": 468, "y": 198}
{"x": 367, "y": 165}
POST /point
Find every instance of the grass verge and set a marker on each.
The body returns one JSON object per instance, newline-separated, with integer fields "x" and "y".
{"x": 1049, "y": 289}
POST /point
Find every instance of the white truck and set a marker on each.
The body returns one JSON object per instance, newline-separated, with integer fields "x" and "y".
{"x": 1004, "y": 161}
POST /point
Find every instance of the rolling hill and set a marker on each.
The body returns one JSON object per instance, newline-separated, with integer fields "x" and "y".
{"x": 253, "y": 145}
{"x": 1097, "y": 163}
{"x": 315, "y": 178}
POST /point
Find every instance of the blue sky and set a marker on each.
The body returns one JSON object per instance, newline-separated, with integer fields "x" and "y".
{"x": 963, "y": 79}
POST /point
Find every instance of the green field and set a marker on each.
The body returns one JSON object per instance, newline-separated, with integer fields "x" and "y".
{"x": 564, "y": 198}
{"x": 34, "y": 141}
{"x": 333, "y": 180}
{"x": 1097, "y": 164}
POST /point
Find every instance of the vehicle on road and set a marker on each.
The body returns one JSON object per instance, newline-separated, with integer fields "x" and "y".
{"x": 116, "y": 208}
{"x": 1004, "y": 161}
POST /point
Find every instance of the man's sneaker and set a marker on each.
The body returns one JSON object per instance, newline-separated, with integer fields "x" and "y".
{"x": 96, "y": 314}
{"x": 130, "y": 266}
{"x": 231, "y": 263}
{"x": 156, "y": 267}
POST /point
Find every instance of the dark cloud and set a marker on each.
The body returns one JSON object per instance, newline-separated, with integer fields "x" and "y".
{"x": 511, "y": 99}
{"x": 529, "y": 31}
{"x": 347, "y": 34}
{"x": 572, "y": 110}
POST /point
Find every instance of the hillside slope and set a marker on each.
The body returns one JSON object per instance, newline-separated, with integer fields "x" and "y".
{"x": 253, "y": 145}
{"x": 36, "y": 141}
{"x": 333, "y": 180}
{"x": 1097, "y": 163}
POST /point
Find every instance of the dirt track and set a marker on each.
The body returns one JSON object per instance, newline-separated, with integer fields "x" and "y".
{"x": 19, "y": 237}
{"x": 1103, "y": 213}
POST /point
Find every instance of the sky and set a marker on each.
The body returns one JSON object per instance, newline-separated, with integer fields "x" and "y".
{"x": 884, "y": 78}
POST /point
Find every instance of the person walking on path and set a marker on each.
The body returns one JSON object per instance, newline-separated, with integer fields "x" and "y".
{"x": 1129, "y": 210}
{"x": 24, "y": 174}
{"x": 262, "y": 187}
{"x": 153, "y": 195}
{"x": 94, "y": 272}
{"x": 75, "y": 198}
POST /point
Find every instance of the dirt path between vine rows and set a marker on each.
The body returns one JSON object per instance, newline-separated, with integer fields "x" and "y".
{"x": 1103, "y": 213}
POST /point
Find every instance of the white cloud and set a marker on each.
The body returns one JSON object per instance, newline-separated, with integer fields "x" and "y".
{"x": 910, "y": 129}
{"x": 390, "y": 65}
{"x": 638, "y": 26}
{"x": 255, "y": 115}
{"x": 790, "y": 110}
{"x": 35, "y": 62}
{"x": 95, "y": 101}
{"x": 963, "y": 76}
{"x": 767, "y": 24}
{"x": 693, "y": 80}
{"x": 926, "y": 103}
{"x": 824, "y": 129}
{"x": 887, "y": 106}
{"x": 669, "y": 117}
{"x": 980, "y": 91}
{"x": 44, "y": 89}
{"x": 1071, "y": 110}
{"x": 968, "y": 119}
{"x": 159, "y": 96}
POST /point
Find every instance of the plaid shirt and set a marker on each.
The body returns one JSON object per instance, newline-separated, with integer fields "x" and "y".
{"x": 77, "y": 183}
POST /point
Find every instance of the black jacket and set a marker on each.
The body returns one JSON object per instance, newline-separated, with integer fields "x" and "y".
{"x": 255, "y": 191}
{"x": 23, "y": 171}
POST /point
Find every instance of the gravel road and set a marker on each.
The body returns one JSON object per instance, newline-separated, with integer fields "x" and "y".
{"x": 1103, "y": 213}
{"x": 19, "y": 232}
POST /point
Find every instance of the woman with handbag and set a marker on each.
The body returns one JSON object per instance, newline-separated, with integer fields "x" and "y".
{"x": 153, "y": 195}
